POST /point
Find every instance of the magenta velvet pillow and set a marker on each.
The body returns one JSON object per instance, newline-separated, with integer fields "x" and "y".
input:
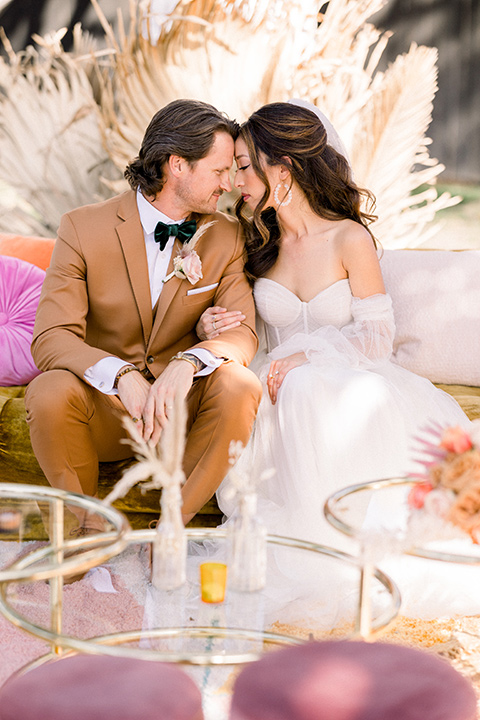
{"x": 20, "y": 285}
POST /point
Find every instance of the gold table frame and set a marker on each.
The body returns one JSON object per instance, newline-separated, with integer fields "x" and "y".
{"x": 57, "y": 566}
{"x": 113, "y": 644}
{"x": 332, "y": 512}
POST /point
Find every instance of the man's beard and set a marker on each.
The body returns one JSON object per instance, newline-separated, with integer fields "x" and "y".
{"x": 197, "y": 204}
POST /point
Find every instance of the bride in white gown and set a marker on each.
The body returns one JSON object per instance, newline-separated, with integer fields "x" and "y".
{"x": 336, "y": 409}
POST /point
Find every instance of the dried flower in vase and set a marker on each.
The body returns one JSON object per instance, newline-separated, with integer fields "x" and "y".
{"x": 158, "y": 468}
{"x": 450, "y": 486}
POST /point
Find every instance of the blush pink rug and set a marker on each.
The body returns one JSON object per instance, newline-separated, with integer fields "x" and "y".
{"x": 104, "y": 601}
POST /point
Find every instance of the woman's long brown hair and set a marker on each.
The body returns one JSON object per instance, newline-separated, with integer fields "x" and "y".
{"x": 291, "y": 135}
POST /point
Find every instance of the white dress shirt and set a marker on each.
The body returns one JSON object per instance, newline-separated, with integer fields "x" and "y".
{"x": 102, "y": 375}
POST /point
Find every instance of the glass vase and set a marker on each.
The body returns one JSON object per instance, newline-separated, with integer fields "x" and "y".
{"x": 170, "y": 543}
{"x": 247, "y": 548}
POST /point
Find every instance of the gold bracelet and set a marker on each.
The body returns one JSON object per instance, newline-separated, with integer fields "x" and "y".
{"x": 123, "y": 371}
{"x": 187, "y": 358}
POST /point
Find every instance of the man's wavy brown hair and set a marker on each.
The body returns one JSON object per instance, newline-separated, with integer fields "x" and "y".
{"x": 186, "y": 128}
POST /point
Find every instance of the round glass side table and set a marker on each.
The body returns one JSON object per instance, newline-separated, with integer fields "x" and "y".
{"x": 378, "y": 516}
{"x": 350, "y": 511}
{"x": 62, "y": 555}
{"x": 312, "y": 591}
{"x": 285, "y": 611}
{"x": 65, "y": 551}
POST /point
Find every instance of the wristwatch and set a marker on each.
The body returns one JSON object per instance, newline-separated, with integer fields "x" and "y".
{"x": 188, "y": 357}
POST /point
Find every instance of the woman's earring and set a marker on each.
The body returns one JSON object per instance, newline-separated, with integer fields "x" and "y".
{"x": 287, "y": 198}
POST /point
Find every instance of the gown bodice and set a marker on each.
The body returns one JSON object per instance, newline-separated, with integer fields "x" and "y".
{"x": 285, "y": 314}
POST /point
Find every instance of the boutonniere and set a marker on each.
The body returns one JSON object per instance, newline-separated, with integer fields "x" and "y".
{"x": 187, "y": 264}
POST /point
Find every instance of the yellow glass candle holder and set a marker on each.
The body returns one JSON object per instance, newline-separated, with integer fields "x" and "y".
{"x": 213, "y": 580}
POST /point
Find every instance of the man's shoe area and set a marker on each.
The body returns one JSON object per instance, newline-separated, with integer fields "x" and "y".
{"x": 77, "y": 533}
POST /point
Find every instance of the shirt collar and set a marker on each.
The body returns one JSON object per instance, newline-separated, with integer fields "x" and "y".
{"x": 150, "y": 216}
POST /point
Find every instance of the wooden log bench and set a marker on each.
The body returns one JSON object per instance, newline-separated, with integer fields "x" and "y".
{"x": 19, "y": 464}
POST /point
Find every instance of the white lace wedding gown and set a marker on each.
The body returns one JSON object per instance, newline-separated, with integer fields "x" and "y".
{"x": 348, "y": 415}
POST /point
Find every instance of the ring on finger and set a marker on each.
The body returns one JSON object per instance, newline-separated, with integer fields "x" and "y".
{"x": 214, "y": 325}
{"x": 135, "y": 420}
{"x": 277, "y": 372}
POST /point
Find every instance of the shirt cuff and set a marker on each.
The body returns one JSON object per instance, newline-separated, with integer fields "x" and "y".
{"x": 209, "y": 360}
{"x": 102, "y": 375}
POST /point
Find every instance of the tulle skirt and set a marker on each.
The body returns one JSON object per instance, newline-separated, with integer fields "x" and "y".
{"x": 336, "y": 427}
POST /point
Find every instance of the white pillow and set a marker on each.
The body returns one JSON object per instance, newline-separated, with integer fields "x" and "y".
{"x": 436, "y": 301}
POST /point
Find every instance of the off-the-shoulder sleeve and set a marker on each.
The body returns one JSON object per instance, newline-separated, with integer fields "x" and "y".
{"x": 373, "y": 329}
{"x": 364, "y": 342}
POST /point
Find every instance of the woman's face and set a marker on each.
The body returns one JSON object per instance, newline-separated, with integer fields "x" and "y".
{"x": 246, "y": 180}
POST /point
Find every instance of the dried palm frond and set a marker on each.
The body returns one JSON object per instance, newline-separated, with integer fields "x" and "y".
{"x": 389, "y": 154}
{"x": 238, "y": 55}
{"x": 217, "y": 57}
{"x": 51, "y": 151}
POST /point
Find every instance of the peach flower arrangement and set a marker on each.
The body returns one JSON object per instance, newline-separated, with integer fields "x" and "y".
{"x": 450, "y": 486}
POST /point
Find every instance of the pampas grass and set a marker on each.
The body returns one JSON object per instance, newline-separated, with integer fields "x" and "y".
{"x": 94, "y": 105}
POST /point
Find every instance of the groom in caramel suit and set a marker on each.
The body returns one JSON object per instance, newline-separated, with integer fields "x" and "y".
{"x": 115, "y": 328}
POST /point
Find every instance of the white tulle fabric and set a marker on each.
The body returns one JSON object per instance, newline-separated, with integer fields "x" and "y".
{"x": 362, "y": 336}
{"x": 346, "y": 416}
{"x": 333, "y": 138}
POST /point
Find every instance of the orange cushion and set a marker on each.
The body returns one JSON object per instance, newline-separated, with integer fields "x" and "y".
{"x": 35, "y": 250}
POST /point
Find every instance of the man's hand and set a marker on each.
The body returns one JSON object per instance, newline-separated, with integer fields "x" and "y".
{"x": 133, "y": 391}
{"x": 175, "y": 380}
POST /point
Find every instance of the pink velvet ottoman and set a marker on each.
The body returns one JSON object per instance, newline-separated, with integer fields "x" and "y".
{"x": 91, "y": 687}
{"x": 348, "y": 680}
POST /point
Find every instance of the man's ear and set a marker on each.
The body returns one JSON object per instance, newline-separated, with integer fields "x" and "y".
{"x": 176, "y": 165}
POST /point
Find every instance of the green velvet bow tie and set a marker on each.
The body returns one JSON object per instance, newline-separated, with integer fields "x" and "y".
{"x": 184, "y": 232}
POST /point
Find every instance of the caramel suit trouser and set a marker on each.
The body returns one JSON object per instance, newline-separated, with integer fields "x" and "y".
{"x": 73, "y": 426}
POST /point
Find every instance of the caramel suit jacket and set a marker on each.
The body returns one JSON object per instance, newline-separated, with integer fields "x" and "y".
{"x": 96, "y": 301}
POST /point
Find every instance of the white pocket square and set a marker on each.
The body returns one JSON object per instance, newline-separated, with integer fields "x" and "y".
{"x": 205, "y": 288}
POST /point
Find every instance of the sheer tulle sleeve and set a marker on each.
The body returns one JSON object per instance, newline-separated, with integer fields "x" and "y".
{"x": 373, "y": 329}
{"x": 366, "y": 341}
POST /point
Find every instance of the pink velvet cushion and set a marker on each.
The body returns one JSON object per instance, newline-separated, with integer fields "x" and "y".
{"x": 20, "y": 285}
{"x": 347, "y": 680}
{"x": 86, "y": 687}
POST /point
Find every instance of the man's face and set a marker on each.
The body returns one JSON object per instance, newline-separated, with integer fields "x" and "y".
{"x": 202, "y": 184}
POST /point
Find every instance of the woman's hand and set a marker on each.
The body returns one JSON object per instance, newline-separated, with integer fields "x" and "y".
{"x": 216, "y": 320}
{"x": 278, "y": 370}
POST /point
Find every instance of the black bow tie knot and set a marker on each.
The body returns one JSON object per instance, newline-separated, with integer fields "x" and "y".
{"x": 184, "y": 231}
